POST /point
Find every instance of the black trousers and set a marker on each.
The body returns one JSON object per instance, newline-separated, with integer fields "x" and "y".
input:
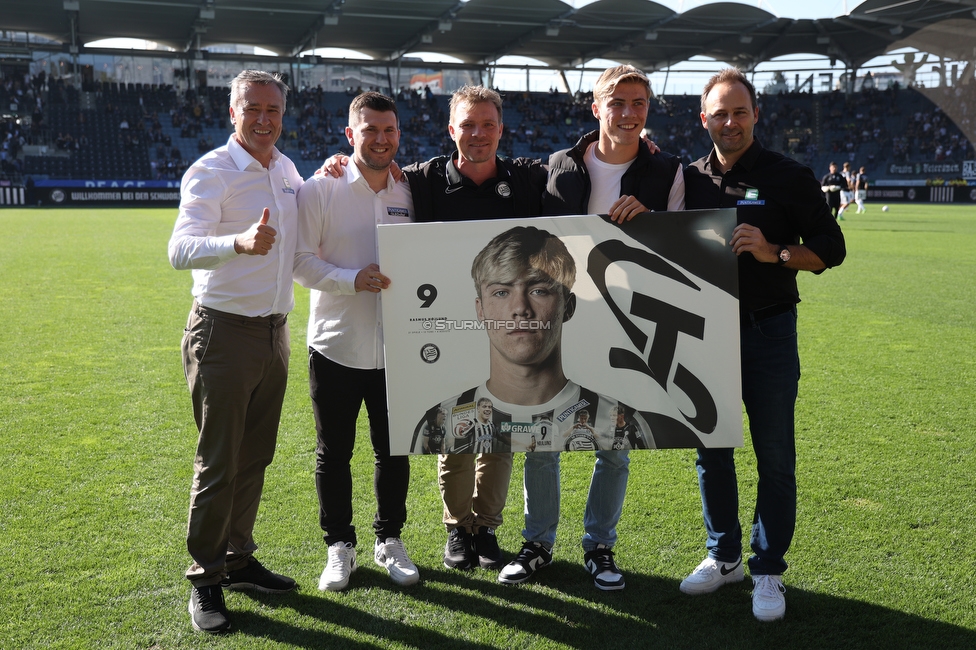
{"x": 338, "y": 393}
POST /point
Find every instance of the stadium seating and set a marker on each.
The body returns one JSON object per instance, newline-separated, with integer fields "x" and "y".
{"x": 123, "y": 131}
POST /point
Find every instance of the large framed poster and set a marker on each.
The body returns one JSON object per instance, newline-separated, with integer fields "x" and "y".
{"x": 562, "y": 333}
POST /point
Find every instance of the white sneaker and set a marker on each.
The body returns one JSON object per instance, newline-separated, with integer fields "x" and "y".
{"x": 342, "y": 564}
{"x": 768, "y": 598}
{"x": 710, "y": 575}
{"x": 393, "y": 556}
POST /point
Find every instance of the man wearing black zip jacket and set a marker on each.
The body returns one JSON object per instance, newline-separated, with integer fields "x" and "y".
{"x": 608, "y": 172}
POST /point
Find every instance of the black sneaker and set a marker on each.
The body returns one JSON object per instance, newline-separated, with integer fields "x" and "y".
{"x": 459, "y": 550}
{"x": 599, "y": 562}
{"x": 255, "y": 576}
{"x": 486, "y": 545}
{"x": 532, "y": 557}
{"x": 207, "y": 610}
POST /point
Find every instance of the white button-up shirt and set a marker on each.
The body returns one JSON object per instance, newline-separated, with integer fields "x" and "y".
{"x": 221, "y": 196}
{"x": 337, "y": 223}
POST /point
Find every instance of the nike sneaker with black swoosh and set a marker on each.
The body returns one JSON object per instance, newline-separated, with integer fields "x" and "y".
{"x": 532, "y": 557}
{"x": 599, "y": 562}
{"x": 712, "y": 574}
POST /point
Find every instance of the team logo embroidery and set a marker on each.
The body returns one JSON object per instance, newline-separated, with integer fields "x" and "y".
{"x": 503, "y": 190}
{"x": 287, "y": 188}
{"x": 752, "y": 194}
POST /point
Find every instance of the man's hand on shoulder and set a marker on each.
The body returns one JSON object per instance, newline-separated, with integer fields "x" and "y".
{"x": 258, "y": 239}
{"x": 651, "y": 145}
{"x": 333, "y": 165}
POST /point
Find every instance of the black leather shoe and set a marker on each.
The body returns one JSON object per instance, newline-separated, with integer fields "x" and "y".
{"x": 255, "y": 576}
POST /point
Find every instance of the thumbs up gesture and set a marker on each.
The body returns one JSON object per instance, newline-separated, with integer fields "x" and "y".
{"x": 258, "y": 239}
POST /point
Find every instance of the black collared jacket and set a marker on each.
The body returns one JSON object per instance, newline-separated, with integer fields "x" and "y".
{"x": 442, "y": 193}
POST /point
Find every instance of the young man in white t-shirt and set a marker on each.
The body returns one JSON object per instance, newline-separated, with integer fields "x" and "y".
{"x": 608, "y": 172}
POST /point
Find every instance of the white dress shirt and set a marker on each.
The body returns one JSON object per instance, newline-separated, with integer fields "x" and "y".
{"x": 221, "y": 196}
{"x": 337, "y": 238}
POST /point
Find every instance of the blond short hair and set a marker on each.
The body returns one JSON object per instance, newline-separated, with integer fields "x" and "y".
{"x": 612, "y": 77}
{"x": 525, "y": 251}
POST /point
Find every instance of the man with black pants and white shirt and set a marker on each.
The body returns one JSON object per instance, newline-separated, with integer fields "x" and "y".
{"x": 472, "y": 183}
{"x": 337, "y": 259}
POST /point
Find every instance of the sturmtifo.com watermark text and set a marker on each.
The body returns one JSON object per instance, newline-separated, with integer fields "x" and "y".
{"x": 444, "y": 325}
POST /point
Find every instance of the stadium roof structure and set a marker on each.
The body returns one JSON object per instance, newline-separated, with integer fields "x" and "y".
{"x": 479, "y": 32}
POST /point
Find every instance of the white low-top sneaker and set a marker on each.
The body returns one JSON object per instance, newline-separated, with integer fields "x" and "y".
{"x": 341, "y": 565}
{"x": 768, "y": 598}
{"x": 391, "y": 555}
{"x": 710, "y": 575}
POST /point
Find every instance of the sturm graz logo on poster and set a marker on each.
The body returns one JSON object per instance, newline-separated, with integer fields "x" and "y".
{"x": 429, "y": 353}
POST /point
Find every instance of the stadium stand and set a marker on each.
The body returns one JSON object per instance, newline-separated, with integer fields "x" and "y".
{"x": 117, "y": 131}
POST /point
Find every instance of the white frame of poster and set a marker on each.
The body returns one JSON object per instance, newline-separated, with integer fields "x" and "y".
{"x": 656, "y": 327}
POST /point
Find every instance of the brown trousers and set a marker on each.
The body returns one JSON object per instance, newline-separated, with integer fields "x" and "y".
{"x": 237, "y": 370}
{"x": 474, "y": 489}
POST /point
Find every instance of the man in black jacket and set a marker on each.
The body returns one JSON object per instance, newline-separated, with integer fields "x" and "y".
{"x": 832, "y": 185}
{"x": 474, "y": 183}
{"x": 608, "y": 172}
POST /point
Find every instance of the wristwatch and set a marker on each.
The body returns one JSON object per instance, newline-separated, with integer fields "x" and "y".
{"x": 784, "y": 255}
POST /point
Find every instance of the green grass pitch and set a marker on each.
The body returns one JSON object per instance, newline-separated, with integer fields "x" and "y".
{"x": 96, "y": 441}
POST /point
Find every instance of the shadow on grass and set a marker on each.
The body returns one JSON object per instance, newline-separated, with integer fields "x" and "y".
{"x": 563, "y": 608}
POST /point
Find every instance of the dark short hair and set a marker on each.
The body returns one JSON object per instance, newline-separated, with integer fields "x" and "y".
{"x": 729, "y": 76}
{"x": 374, "y": 101}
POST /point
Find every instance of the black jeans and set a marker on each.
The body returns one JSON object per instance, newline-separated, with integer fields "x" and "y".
{"x": 338, "y": 393}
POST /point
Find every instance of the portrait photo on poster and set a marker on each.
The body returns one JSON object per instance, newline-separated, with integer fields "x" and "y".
{"x": 566, "y": 333}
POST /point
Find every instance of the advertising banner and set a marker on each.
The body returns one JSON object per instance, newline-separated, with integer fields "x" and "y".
{"x": 108, "y": 193}
{"x": 579, "y": 334}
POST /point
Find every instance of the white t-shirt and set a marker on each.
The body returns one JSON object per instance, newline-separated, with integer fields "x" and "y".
{"x": 604, "y": 181}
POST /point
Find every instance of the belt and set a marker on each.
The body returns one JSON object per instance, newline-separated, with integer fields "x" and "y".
{"x": 274, "y": 320}
{"x": 747, "y": 318}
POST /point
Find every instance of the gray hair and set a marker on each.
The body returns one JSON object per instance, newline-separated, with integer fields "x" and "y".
{"x": 247, "y": 77}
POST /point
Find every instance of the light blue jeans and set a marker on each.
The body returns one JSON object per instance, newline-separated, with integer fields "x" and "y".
{"x": 604, "y": 503}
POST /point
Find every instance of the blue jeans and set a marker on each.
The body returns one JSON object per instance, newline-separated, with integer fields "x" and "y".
{"x": 604, "y": 503}
{"x": 770, "y": 377}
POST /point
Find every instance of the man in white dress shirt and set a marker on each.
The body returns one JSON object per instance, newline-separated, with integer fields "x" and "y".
{"x": 337, "y": 259}
{"x": 236, "y": 343}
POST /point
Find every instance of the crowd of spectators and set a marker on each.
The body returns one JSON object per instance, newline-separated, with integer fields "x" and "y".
{"x": 868, "y": 127}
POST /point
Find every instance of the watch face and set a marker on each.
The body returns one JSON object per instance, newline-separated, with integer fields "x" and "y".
{"x": 784, "y": 254}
